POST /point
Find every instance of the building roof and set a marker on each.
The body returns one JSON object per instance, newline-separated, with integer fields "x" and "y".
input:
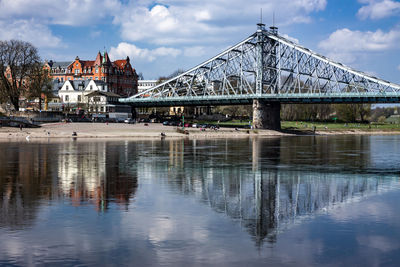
{"x": 120, "y": 63}
{"x": 56, "y": 86}
{"x": 79, "y": 85}
{"x": 87, "y": 63}
{"x": 100, "y": 82}
{"x": 61, "y": 64}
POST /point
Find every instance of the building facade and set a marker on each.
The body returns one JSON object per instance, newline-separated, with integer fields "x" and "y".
{"x": 119, "y": 75}
{"x": 143, "y": 85}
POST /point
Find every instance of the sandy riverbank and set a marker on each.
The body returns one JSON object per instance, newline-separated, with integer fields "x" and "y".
{"x": 152, "y": 130}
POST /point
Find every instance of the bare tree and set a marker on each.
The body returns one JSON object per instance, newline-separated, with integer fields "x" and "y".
{"x": 40, "y": 83}
{"x": 17, "y": 59}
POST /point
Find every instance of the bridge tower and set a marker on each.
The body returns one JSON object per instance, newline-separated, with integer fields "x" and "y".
{"x": 266, "y": 114}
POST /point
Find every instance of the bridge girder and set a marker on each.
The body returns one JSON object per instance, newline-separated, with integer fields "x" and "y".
{"x": 268, "y": 66}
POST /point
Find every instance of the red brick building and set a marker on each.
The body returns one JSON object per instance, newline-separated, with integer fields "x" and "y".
{"x": 119, "y": 75}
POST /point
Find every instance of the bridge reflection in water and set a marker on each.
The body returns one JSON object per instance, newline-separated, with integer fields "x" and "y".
{"x": 274, "y": 183}
{"x": 265, "y": 185}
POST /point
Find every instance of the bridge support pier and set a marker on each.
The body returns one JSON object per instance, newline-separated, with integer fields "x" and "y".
{"x": 266, "y": 115}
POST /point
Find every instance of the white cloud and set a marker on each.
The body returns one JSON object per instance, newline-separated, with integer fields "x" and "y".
{"x": 30, "y": 31}
{"x": 348, "y": 40}
{"x": 378, "y": 9}
{"x": 294, "y": 40}
{"x": 30, "y": 20}
{"x": 398, "y": 67}
{"x": 64, "y": 12}
{"x": 193, "y": 28}
{"x": 125, "y": 49}
{"x": 344, "y": 45}
{"x": 95, "y": 34}
{"x": 194, "y": 51}
{"x": 184, "y": 22}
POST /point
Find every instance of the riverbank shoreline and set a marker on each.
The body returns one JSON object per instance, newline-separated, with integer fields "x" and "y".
{"x": 156, "y": 130}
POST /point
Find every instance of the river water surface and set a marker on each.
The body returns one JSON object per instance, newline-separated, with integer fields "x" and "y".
{"x": 289, "y": 201}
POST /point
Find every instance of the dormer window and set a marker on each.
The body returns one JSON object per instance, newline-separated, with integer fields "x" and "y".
{"x": 66, "y": 87}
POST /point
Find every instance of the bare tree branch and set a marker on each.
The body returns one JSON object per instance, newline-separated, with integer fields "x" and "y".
{"x": 17, "y": 61}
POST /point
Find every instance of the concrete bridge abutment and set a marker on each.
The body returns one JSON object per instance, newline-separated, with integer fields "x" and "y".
{"x": 266, "y": 114}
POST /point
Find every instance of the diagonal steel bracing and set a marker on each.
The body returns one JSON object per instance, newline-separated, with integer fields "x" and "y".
{"x": 268, "y": 66}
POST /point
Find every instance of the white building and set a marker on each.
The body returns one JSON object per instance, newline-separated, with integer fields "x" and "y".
{"x": 92, "y": 96}
{"x": 146, "y": 84}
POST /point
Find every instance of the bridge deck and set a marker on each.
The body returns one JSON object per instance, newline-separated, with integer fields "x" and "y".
{"x": 248, "y": 99}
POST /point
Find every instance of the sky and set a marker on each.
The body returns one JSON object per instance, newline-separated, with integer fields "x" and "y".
{"x": 163, "y": 36}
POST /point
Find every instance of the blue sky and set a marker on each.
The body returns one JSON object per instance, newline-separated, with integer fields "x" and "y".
{"x": 163, "y": 36}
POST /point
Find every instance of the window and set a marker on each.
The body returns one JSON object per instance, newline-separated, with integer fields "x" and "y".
{"x": 66, "y": 87}
{"x": 62, "y": 79}
{"x": 91, "y": 87}
{"x": 66, "y": 98}
{"x": 97, "y": 70}
{"x": 76, "y": 71}
{"x": 79, "y": 98}
{"x": 76, "y": 64}
{"x": 96, "y": 78}
{"x": 96, "y": 99}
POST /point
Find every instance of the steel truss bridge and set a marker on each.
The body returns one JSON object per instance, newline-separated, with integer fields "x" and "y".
{"x": 267, "y": 66}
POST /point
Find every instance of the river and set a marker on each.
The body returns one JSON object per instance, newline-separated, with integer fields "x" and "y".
{"x": 288, "y": 201}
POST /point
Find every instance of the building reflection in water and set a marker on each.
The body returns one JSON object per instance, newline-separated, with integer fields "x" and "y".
{"x": 93, "y": 173}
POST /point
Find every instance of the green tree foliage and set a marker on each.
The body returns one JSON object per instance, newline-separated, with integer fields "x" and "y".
{"x": 346, "y": 112}
{"x": 353, "y": 112}
{"x": 17, "y": 60}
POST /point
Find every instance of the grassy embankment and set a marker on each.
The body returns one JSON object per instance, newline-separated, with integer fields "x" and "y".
{"x": 320, "y": 126}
